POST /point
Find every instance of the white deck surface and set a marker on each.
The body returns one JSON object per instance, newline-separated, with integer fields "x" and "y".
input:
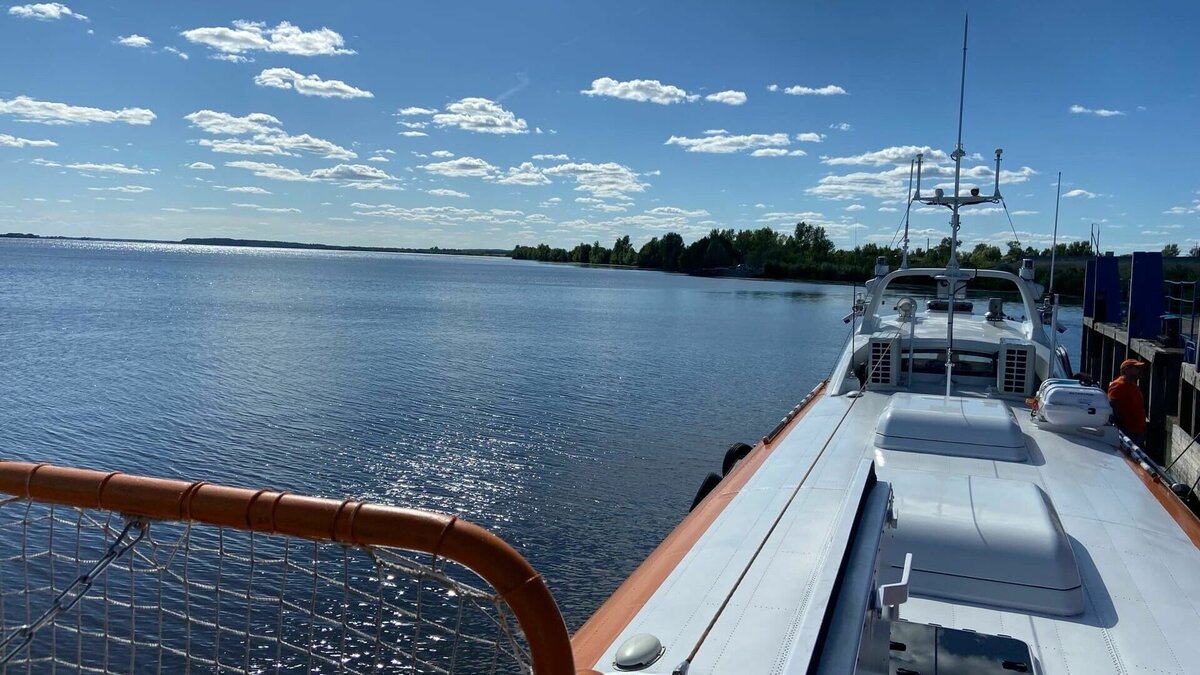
{"x": 1140, "y": 573}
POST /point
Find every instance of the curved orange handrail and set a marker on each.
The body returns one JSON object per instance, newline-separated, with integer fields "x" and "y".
{"x": 346, "y": 522}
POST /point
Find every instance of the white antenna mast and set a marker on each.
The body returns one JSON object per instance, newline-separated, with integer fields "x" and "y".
{"x": 953, "y": 275}
{"x": 907, "y": 209}
{"x": 1054, "y": 240}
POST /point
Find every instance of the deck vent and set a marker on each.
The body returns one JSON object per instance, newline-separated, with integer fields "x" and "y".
{"x": 882, "y": 367}
{"x": 1015, "y": 374}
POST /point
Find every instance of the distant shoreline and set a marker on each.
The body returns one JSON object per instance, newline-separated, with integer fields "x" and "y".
{"x": 266, "y": 243}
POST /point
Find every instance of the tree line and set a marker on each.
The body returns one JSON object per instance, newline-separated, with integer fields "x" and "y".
{"x": 804, "y": 253}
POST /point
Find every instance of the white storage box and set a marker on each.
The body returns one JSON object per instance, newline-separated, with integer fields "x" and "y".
{"x": 1070, "y": 404}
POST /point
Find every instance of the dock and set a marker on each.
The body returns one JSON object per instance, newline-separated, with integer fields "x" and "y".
{"x": 1154, "y": 320}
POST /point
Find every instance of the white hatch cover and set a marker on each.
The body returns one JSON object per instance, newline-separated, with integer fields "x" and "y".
{"x": 950, "y": 425}
{"x": 985, "y": 540}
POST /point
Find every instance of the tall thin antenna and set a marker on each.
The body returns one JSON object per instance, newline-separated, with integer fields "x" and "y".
{"x": 1054, "y": 240}
{"x": 907, "y": 210}
{"x": 952, "y": 269}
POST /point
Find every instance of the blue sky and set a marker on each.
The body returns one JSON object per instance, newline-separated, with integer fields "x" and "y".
{"x": 493, "y": 124}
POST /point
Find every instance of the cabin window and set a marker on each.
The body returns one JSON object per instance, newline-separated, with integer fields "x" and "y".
{"x": 967, "y": 364}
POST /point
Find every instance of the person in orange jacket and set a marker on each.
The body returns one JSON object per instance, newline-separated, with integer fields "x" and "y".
{"x": 1128, "y": 405}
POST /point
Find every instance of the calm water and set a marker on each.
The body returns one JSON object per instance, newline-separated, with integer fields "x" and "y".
{"x": 574, "y": 410}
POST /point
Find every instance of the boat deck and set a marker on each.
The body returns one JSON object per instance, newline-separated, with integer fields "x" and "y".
{"x": 779, "y": 533}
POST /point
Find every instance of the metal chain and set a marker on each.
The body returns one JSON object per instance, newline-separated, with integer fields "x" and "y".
{"x": 72, "y": 594}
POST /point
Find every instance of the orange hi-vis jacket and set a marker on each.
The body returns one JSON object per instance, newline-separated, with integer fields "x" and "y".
{"x": 1128, "y": 405}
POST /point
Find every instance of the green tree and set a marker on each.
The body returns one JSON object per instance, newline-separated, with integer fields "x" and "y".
{"x": 671, "y": 248}
{"x": 983, "y": 255}
{"x": 623, "y": 253}
{"x": 1014, "y": 252}
{"x": 1171, "y": 251}
{"x": 1195, "y": 252}
{"x": 582, "y": 254}
{"x": 650, "y": 255}
{"x": 756, "y": 247}
{"x": 600, "y": 255}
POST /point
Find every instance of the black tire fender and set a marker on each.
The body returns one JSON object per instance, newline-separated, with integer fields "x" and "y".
{"x": 710, "y": 482}
{"x": 736, "y": 453}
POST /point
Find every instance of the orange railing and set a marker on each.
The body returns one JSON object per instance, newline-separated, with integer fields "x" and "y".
{"x": 346, "y": 522}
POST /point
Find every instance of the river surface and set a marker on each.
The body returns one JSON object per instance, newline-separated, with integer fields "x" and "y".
{"x": 574, "y": 410}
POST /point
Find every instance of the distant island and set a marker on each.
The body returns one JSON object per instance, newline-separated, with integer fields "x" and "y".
{"x": 265, "y": 243}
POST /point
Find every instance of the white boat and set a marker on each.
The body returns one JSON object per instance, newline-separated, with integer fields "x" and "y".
{"x": 947, "y": 502}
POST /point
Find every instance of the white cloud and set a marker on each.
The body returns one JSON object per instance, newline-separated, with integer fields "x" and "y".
{"x": 729, "y": 97}
{"x": 115, "y": 167}
{"x": 268, "y": 209}
{"x": 810, "y": 137}
{"x": 1079, "y": 192}
{"x": 266, "y": 136}
{"x": 443, "y": 192}
{"x": 525, "y": 174}
{"x": 1024, "y": 213}
{"x": 676, "y": 211}
{"x": 725, "y": 144}
{"x": 358, "y": 176}
{"x": 1099, "y": 112}
{"x": 441, "y": 154}
{"x": 827, "y": 90}
{"x": 608, "y": 180}
{"x": 413, "y": 125}
{"x": 841, "y": 126}
{"x": 463, "y": 167}
{"x": 201, "y": 166}
{"x": 888, "y": 209}
{"x": 272, "y": 171}
{"x": 249, "y": 189}
{"x": 413, "y": 134}
{"x": 47, "y": 112}
{"x": 639, "y": 90}
{"x": 223, "y": 123}
{"x": 350, "y": 172}
{"x": 772, "y": 87}
{"x": 777, "y": 152}
{"x": 176, "y": 52}
{"x": 236, "y": 146}
{"x": 308, "y": 85}
{"x": 284, "y": 38}
{"x": 129, "y": 189}
{"x": 136, "y": 41}
{"x": 855, "y": 207}
{"x": 378, "y": 158}
{"x": 231, "y": 58}
{"x": 481, "y": 116}
{"x": 608, "y": 208}
{"x": 9, "y": 141}
{"x": 555, "y": 158}
{"x": 443, "y": 215}
{"x": 891, "y": 182}
{"x": 44, "y": 11}
{"x": 892, "y": 155}
{"x": 416, "y": 111}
